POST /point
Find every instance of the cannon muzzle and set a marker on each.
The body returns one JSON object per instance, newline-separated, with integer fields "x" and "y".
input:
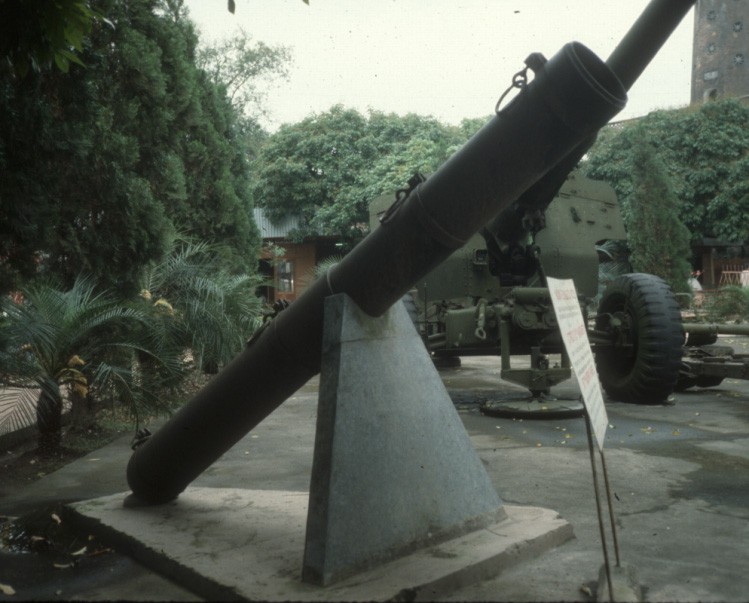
{"x": 628, "y": 60}
{"x": 572, "y": 96}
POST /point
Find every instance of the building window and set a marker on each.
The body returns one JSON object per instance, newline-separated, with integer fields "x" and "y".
{"x": 285, "y": 271}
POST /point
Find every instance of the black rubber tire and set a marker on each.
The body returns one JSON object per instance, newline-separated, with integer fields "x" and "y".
{"x": 649, "y": 373}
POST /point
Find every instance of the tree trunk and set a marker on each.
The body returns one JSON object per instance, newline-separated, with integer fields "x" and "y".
{"x": 49, "y": 419}
{"x": 82, "y": 416}
{"x": 210, "y": 366}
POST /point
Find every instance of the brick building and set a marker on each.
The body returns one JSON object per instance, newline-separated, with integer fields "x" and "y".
{"x": 720, "y": 52}
{"x": 289, "y": 266}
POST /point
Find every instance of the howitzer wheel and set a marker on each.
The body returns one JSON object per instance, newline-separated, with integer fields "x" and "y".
{"x": 642, "y": 360}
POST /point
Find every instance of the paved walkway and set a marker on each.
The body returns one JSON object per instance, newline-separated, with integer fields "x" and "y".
{"x": 678, "y": 473}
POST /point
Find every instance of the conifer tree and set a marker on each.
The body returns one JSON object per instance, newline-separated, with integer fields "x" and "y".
{"x": 100, "y": 167}
{"x": 658, "y": 238}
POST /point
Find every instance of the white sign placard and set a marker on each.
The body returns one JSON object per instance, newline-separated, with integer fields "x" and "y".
{"x": 575, "y": 337}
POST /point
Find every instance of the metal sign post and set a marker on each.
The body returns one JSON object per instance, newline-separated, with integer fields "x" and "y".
{"x": 574, "y": 335}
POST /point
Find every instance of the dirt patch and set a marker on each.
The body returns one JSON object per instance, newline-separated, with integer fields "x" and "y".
{"x": 23, "y": 463}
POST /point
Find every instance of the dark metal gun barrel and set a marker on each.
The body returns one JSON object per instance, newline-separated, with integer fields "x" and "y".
{"x": 571, "y": 97}
{"x": 645, "y": 38}
{"x": 702, "y": 328}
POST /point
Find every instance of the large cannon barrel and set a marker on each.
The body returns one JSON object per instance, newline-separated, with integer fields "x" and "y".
{"x": 571, "y": 97}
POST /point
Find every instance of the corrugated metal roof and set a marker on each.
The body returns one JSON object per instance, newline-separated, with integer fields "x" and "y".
{"x": 274, "y": 230}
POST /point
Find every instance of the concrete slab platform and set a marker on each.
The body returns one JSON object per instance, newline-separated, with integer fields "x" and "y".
{"x": 227, "y": 543}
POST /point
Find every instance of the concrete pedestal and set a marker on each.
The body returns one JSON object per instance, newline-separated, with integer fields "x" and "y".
{"x": 394, "y": 469}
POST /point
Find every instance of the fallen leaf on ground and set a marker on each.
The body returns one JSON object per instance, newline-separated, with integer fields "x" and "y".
{"x": 62, "y": 565}
{"x": 56, "y": 518}
{"x": 647, "y": 429}
{"x": 7, "y": 589}
{"x": 676, "y": 432}
{"x": 79, "y": 551}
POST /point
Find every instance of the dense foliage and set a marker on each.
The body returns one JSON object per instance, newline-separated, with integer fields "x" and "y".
{"x": 216, "y": 310}
{"x": 86, "y": 346}
{"x": 36, "y": 34}
{"x": 705, "y": 150}
{"x": 328, "y": 167}
{"x": 100, "y": 166}
{"x": 657, "y": 237}
{"x": 76, "y": 343}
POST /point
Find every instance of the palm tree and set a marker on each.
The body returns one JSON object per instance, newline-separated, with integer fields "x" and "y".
{"x": 79, "y": 341}
{"x": 216, "y": 311}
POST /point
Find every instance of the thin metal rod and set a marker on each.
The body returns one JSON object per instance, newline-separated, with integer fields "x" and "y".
{"x": 598, "y": 505}
{"x": 611, "y": 509}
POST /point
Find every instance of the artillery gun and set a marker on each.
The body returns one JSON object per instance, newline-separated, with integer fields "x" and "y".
{"x": 490, "y": 297}
{"x": 512, "y": 167}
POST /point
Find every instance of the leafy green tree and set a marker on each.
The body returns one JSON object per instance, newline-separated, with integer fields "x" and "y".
{"x": 706, "y": 152}
{"x": 328, "y": 167}
{"x": 99, "y": 167}
{"x": 79, "y": 340}
{"x": 657, "y": 237}
{"x": 244, "y": 68}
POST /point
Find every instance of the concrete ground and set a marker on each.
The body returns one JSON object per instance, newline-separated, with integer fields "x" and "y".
{"x": 678, "y": 473}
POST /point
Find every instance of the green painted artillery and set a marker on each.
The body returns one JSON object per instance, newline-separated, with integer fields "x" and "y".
{"x": 489, "y": 297}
